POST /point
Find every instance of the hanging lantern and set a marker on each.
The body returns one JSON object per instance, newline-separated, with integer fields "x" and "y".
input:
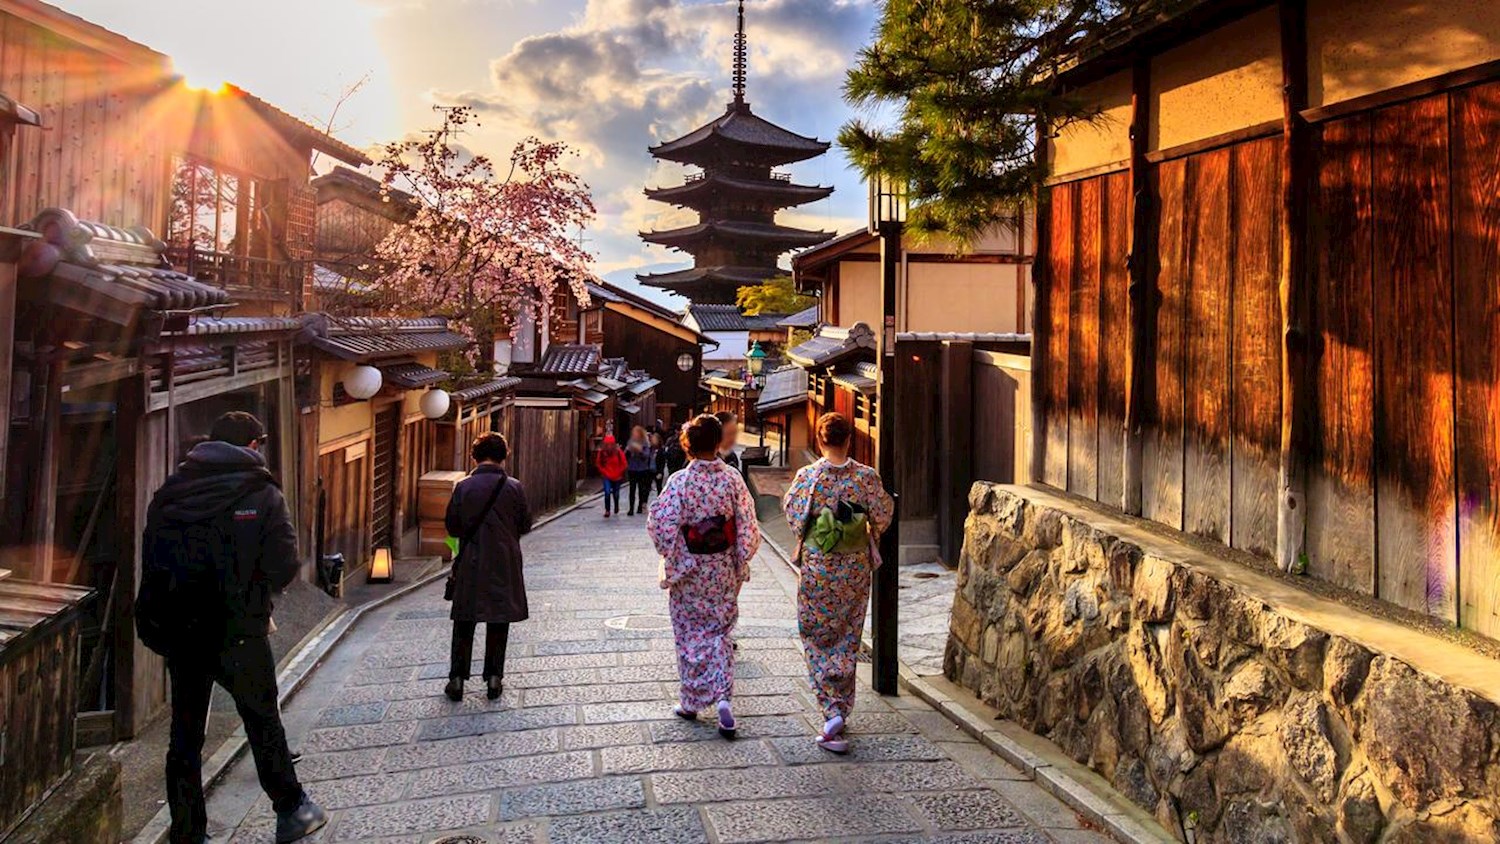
{"x": 363, "y": 382}
{"x": 435, "y": 404}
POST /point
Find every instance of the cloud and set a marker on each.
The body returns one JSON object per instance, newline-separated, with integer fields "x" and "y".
{"x": 628, "y": 74}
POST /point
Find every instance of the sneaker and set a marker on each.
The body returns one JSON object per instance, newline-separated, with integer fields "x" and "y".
{"x": 494, "y": 687}
{"x": 455, "y": 690}
{"x": 301, "y": 822}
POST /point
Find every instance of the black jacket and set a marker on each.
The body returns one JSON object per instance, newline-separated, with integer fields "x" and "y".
{"x": 488, "y": 584}
{"x": 225, "y": 492}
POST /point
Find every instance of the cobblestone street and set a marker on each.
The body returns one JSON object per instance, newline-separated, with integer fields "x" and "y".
{"x": 582, "y": 747}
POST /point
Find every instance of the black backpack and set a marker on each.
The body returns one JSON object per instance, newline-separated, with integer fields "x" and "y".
{"x": 187, "y": 582}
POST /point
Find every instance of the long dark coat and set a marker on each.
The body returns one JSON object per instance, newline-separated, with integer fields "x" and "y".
{"x": 488, "y": 585}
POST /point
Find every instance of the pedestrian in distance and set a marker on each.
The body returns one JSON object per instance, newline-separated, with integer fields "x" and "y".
{"x": 729, "y": 422}
{"x": 640, "y": 463}
{"x": 613, "y": 468}
{"x": 659, "y": 449}
{"x": 218, "y": 542}
{"x": 675, "y": 458}
{"x": 838, "y": 508}
{"x": 489, "y": 515}
{"x": 704, "y": 527}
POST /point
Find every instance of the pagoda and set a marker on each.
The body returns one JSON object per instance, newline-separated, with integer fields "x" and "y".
{"x": 736, "y": 241}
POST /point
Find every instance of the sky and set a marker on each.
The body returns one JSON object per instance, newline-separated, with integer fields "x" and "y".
{"x": 609, "y": 77}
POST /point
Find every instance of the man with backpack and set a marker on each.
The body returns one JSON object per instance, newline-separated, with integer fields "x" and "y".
{"x": 218, "y": 541}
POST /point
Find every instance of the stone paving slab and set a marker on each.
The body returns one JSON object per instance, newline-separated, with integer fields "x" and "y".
{"x": 582, "y": 746}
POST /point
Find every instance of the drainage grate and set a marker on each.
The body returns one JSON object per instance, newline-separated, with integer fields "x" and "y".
{"x": 461, "y": 839}
{"x": 639, "y": 622}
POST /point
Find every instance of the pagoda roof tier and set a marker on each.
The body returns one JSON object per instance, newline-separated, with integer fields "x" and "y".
{"x": 762, "y": 235}
{"x": 711, "y": 284}
{"x": 700, "y": 192}
{"x": 687, "y": 278}
{"x": 738, "y": 136}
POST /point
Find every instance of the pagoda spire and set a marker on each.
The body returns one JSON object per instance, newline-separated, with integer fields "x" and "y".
{"x": 741, "y": 58}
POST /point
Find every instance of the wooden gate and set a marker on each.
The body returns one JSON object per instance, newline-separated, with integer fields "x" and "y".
{"x": 1002, "y": 418}
{"x": 383, "y": 489}
{"x": 543, "y": 443}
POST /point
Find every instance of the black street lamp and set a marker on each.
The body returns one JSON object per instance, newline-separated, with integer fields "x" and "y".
{"x": 888, "y": 204}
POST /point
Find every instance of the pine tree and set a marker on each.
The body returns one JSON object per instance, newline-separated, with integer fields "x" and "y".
{"x": 969, "y": 80}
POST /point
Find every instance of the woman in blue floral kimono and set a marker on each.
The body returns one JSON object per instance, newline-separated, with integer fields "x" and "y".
{"x": 703, "y": 524}
{"x": 838, "y": 507}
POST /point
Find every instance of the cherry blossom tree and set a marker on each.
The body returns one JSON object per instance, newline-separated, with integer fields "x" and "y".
{"x": 484, "y": 247}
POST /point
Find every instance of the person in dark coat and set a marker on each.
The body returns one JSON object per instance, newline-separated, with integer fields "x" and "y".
{"x": 489, "y": 515}
{"x": 218, "y": 542}
{"x": 730, "y": 422}
{"x": 659, "y": 449}
{"x": 673, "y": 455}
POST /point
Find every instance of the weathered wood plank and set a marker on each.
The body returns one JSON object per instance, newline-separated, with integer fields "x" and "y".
{"x": 1476, "y": 266}
{"x": 1206, "y": 344}
{"x": 1142, "y": 298}
{"x": 1256, "y": 374}
{"x": 1162, "y": 446}
{"x": 1341, "y": 433}
{"x": 1083, "y": 345}
{"x": 1298, "y": 177}
{"x": 1114, "y": 336}
{"x": 1059, "y": 281}
{"x": 1416, "y": 548}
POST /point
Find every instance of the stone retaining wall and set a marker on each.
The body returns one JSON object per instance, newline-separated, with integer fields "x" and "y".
{"x": 1223, "y": 715}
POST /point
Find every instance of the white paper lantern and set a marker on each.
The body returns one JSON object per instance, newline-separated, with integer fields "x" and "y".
{"x": 435, "y": 403}
{"x": 363, "y": 382}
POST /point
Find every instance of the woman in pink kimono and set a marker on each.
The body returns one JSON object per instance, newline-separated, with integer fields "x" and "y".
{"x": 703, "y": 524}
{"x": 839, "y": 508}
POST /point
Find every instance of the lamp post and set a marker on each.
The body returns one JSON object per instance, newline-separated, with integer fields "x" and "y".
{"x": 888, "y": 202}
{"x": 755, "y": 362}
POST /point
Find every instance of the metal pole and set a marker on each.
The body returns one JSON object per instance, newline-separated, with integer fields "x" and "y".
{"x": 885, "y": 589}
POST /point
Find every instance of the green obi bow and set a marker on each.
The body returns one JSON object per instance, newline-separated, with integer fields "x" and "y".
{"x": 845, "y": 530}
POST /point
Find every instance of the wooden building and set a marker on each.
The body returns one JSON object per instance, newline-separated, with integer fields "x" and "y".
{"x": 736, "y": 241}
{"x": 355, "y": 214}
{"x": 983, "y": 289}
{"x": 371, "y": 453}
{"x": 839, "y": 363}
{"x": 653, "y": 338}
{"x": 1266, "y": 305}
{"x": 166, "y": 294}
{"x": 733, "y": 334}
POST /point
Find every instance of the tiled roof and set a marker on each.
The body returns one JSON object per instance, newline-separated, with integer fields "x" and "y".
{"x": 833, "y": 344}
{"x": 410, "y": 375}
{"x": 786, "y": 387}
{"x": 569, "y": 359}
{"x": 961, "y": 336}
{"x": 801, "y": 319}
{"x": 729, "y": 318}
{"x": 489, "y": 388}
{"x": 327, "y": 280}
{"x": 110, "y": 272}
{"x": 374, "y": 338}
{"x": 297, "y": 129}
{"x": 762, "y": 234}
{"x": 741, "y": 128}
{"x": 861, "y": 377}
{"x": 201, "y": 326}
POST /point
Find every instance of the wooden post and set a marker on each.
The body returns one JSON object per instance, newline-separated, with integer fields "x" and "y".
{"x": 1143, "y": 295}
{"x": 44, "y": 496}
{"x": 130, "y": 410}
{"x": 7, "y": 358}
{"x": 955, "y": 435}
{"x": 1040, "y": 303}
{"x": 1296, "y": 179}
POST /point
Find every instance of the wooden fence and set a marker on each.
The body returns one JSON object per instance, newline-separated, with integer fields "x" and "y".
{"x": 1402, "y": 445}
{"x": 543, "y": 453}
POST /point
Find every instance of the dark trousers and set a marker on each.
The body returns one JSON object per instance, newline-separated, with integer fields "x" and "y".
{"x": 612, "y": 494}
{"x": 247, "y": 670}
{"x": 640, "y": 490}
{"x": 661, "y": 478}
{"x": 496, "y": 635}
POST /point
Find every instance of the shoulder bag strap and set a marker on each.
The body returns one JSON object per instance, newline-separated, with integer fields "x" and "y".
{"x": 485, "y": 513}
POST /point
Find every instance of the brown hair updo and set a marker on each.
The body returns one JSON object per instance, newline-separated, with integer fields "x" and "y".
{"x": 834, "y": 430}
{"x": 702, "y": 436}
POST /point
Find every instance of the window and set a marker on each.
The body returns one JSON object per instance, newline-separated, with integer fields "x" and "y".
{"x": 217, "y": 210}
